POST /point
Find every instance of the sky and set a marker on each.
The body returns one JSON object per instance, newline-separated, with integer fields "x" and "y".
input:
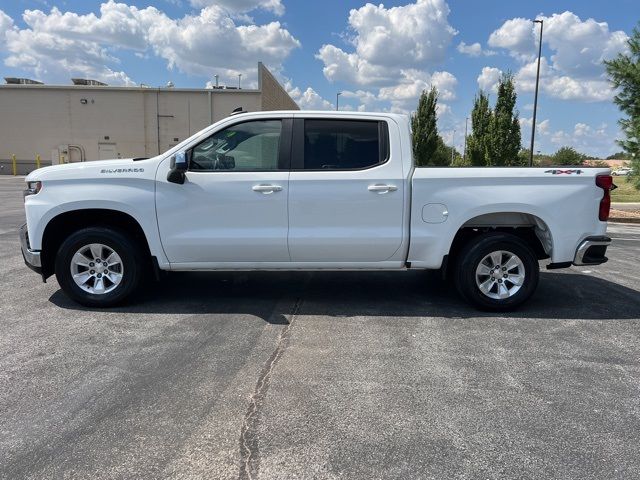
{"x": 380, "y": 56}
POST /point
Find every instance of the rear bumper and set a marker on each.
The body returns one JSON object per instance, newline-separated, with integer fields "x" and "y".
{"x": 31, "y": 258}
{"x": 592, "y": 251}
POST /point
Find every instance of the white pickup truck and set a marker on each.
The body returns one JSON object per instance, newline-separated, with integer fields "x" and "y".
{"x": 309, "y": 191}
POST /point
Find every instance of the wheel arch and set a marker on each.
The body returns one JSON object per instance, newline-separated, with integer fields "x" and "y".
{"x": 529, "y": 227}
{"x": 64, "y": 224}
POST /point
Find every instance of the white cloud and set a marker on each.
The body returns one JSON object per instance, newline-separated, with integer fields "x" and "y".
{"x": 580, "y": 46}
{"x": 543, "y": 127}
{"x": 515, "y": 35}
{"x": 394, "y": 52}
{"x": 442, "y": 110}
{"x": 403, "y": 95}
{"x": 489, "y": 78}
{"x": 561, "y": 138}
{"x": 561, "y": 86}
{"x": 568, "y": 88}
{"x": 589, "y": 139}
{"x": 574, "y": 70}
{"x": 365, "y": 98}
{"x": 243, "y": 6}
{"x": 351, "y": 68}
{"x": 309, "y": 99}
{"x": 58, "y": 45}
{"x": 414, "y": 82}
{"x": 388, "y": 40}
{"x": 585, "y": 138}
{"x": 6, "y": 26}
{"x": 473, "y": 50}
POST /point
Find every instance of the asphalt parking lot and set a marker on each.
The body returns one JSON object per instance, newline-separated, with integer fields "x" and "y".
{"x": 323, "y": 375}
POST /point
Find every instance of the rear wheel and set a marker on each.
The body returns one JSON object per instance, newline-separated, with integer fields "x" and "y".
{"x": 496, "y": 271}
{"x": 99, "y": 267}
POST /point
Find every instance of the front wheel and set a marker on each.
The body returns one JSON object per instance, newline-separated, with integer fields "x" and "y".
{"x": 496, "y": 271}
{"x": 98, "y": 266}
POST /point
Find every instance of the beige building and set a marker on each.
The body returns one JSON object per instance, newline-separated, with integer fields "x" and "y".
{"x": 74, "y": 123}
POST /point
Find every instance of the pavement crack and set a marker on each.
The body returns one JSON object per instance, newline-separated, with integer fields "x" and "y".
{"x": 249, "y": 452}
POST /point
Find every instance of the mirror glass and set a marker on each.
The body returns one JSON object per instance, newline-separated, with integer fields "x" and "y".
{"x": 180, "y": 162}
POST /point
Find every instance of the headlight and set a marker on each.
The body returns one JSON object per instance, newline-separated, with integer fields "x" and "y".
{"x": 32, "y": 188}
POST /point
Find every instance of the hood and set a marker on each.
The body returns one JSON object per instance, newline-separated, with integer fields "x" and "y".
{"x": 91, "y": 169}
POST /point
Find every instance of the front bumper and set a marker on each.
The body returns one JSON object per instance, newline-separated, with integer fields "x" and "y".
{"x": 592, "y": 251}
{"x": 31, "y": 257}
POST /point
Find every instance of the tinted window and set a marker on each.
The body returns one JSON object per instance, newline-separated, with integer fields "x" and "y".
{"x": 242, "y": 147}
{"x": 342, "y": 144}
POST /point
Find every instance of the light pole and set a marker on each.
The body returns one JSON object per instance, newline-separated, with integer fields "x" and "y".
{"x": 453, "y": 144}
{"x": 464, "y": 149}
{"x": 239, "y": 80}
{"x": 535, "y": 98}
{"x": 338, "y": 100}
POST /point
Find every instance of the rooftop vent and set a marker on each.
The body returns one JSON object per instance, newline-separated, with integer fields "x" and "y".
{"x": 21, "y": 81}
{"x": 86, "y": 81}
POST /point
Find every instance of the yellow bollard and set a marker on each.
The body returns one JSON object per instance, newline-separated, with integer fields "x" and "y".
{"x": 14, "y": 165}
{"x": 37, "y": 161}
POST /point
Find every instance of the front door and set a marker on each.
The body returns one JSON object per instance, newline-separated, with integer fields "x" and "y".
{"x": 232, "y": 207}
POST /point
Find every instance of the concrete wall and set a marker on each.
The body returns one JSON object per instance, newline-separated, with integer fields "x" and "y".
{"x": 115, "y": 122}
{"x": 274, "y": 97}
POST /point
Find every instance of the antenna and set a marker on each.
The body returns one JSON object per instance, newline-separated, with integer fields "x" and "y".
{"x": 237, "y": 111}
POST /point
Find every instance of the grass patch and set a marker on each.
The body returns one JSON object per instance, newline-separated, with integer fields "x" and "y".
{"x": 625, "y": 192}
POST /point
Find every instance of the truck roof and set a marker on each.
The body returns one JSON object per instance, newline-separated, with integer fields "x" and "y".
{"x": 329, "y": 113}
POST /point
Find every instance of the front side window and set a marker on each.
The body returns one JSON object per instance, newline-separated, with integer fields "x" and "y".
{"x": 248, "y": 146}
{"x": 342, "y": 144}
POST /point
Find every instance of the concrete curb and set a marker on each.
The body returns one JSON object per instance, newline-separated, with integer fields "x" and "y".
{"x": 624, "y": 220}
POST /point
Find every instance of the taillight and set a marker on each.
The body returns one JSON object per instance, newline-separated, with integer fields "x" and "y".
{"x": 605, "y": 182}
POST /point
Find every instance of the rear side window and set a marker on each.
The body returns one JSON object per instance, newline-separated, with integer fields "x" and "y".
{"x": 344, "y": 144}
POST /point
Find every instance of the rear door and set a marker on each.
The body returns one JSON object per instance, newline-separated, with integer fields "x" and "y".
{"x": 346, "y": 191}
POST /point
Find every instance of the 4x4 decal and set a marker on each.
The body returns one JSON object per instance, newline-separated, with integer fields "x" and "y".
{"x": 564, "y": 172}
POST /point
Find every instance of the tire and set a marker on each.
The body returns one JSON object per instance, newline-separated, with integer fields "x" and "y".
{"x": 504, "y": 290}
{"x": 119, "y": 278}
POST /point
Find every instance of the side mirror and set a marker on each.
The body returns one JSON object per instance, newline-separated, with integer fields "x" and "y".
{"x": 178, "y": 167}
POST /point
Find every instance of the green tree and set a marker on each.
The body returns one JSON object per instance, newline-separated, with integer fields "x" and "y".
{"x": 539, "y": 160}
{"x": 477, "y": 141}
{"x": 620, "y": 156}
{"x": 624, "y": 74}
{"x": 504, "y": 139}
{"x": 568, "y": 156}
{"x": 447, "y": 154}
{"x": 425, "y": 131}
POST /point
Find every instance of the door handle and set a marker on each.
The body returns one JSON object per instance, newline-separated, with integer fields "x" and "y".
{"x": 380, "y": 188}
{"x": 266, "y": 189}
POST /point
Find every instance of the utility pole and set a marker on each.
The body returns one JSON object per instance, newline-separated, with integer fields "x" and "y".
{"x": 535, "y": 99}
{"x": 453, "y": 144}
{"x": 239, "y": 80}
{"x": 338, "y": 100}
{"x": 464, "y": 149}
